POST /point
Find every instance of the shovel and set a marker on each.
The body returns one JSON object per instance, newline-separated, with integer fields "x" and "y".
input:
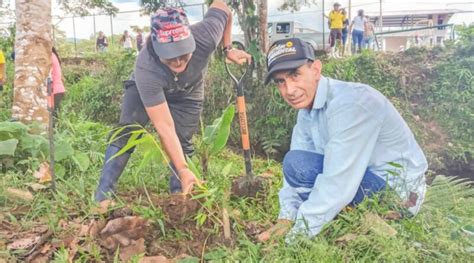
{"x": 248, "y": 185}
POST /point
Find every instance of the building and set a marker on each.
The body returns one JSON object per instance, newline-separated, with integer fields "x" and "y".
{"x": 404, "y": 29}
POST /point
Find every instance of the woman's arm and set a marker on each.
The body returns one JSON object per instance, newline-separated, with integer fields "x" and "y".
{"x": 162, "y": 120}
{"x": 227, "y": 35}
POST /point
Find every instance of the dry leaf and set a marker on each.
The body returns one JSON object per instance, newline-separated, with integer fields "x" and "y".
{"x": 23, "y": 243}
{"x": 137, "y": 247}
{"x": 266, "y": 175}
{"x": 73, "y": 249}
{"x": 155, "y": 259}
{"x": 43, "y": 173}
{"x": 40, "y": 259}
{"x": 83, "y": 230}
{"x": 346, "y": 239}
{"x": 393, "y": 215}
{"x": 19, "y": 194}
{"x": 103, "y": 207}
{"x": 37, "y": 187}
{"x": 95, "y": 227}
{"x": 123, "y": 232}
{"x": 45, "y": 248}
{"x": 134, "y": 226}
{"x": 377, "y": 225}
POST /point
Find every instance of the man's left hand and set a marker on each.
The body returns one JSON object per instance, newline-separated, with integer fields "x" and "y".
{"x": 278, "y": 230}
{"x": 239, "y": 56}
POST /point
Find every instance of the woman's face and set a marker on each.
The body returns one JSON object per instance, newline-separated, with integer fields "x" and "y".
{"x": 177, "y": 64}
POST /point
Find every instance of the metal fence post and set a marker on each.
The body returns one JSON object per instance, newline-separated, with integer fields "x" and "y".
{"x": 75, "y": 37}
{"x": 111, "y": 29}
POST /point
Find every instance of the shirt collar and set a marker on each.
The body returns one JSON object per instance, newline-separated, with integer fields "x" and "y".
{"x": 321, "y": 94}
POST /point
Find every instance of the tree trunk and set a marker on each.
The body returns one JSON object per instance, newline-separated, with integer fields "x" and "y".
{"x": 263, "y": 32}
{"x": 32, "y": 61}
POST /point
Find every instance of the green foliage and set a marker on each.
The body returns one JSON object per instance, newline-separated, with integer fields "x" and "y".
{"x": 83, "y": 7}
{"x": 98, "y": 95}
{"x": 215, "y": 136}
{"x": 139, "y": 136}
{"x": 17, "y": 141}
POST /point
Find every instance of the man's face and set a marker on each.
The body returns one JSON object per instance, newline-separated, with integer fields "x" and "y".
{"x": 178, "y": 64}
{"x": 298, "y": 86}
{"x": 336, "y": 7}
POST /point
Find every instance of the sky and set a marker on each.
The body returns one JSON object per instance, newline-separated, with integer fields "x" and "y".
{"x": 309, "y": 16}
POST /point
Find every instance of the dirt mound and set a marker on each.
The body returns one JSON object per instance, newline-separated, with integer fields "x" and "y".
{"x": 123, "y": 233}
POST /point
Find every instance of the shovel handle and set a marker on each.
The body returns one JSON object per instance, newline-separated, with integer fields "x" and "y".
{"x": 244, "y": 131}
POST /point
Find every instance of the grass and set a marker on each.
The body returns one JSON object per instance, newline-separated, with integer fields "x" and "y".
{"x": 438, "y": 233}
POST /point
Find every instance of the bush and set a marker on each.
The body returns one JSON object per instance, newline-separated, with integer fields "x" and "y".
{"x": 97, "y": 96}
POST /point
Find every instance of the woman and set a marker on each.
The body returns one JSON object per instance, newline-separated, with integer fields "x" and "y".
{"x": 167, "y": 88}
{"x": 101, "y": 42}
{"x": 126, "y": 41}
{"x": 358, "y": 27}
{"x": 57, "y": 81}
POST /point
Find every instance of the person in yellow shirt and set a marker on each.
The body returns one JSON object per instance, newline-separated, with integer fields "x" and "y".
{"x": 336, "y": 23}
{"x": 3, "y": 74}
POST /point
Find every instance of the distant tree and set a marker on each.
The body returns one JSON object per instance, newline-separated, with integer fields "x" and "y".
{"x": 150, "y": 6}
{"x": 295, "y": 5}
{"x": 84, "y": 7}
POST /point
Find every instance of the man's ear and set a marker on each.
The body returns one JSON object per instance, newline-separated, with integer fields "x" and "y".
{"x": 316, "y": 66}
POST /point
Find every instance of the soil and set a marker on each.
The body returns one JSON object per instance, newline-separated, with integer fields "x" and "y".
{"x": 247, "y": 186}
{"x": 124, "y": 229}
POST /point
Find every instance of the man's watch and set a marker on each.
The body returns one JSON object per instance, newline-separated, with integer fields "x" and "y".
{"x": 227, "y": 48}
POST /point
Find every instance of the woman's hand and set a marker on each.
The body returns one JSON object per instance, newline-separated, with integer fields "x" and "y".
{"x": 238, "y": 56}
{"x": 188, "y": 180}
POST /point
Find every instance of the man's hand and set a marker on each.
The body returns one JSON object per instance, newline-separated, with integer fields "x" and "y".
{"x": 188, "y": 180}
{"x": 238, "y": 56}
{"x": 280, "y": 229}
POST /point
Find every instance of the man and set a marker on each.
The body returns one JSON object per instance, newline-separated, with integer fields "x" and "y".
{"x": 167, "y": 88}
{"x": 346, "y": 139}
{"x": 3, "y": 72}
{"x": 369, "y": 34}
{"x": 336, "y": 23}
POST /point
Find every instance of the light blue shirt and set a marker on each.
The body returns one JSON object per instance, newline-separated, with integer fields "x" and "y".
{"x": 355, "y": 127}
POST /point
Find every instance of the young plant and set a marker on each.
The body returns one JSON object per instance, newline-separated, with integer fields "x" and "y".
{"x": 214, "y": 137}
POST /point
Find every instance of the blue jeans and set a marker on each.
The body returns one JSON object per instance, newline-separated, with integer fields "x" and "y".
{"x": 301, "y": 168}
{"x": 357, "y": 38}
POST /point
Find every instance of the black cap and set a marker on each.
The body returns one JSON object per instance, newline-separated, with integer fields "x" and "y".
{"x": 287, "y": 54}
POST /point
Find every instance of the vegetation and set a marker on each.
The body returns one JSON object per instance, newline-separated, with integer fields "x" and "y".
{"x": 433, "y": 89}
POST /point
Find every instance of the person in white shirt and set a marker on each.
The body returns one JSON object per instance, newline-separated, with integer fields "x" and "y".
{"x": 126, "y": 40}
{"x": 358, "y": 27}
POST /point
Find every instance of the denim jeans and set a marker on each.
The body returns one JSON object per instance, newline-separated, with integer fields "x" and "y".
{"x": 357, "y": 39}
{"x": 301, "y": 168}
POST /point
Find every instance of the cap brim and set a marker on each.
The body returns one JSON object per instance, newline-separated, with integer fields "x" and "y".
{"x": 174, "y": 49}
{"x": 284, "y": 66}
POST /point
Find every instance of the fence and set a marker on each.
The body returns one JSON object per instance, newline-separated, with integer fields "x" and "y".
{"x": 75, "y": 28}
